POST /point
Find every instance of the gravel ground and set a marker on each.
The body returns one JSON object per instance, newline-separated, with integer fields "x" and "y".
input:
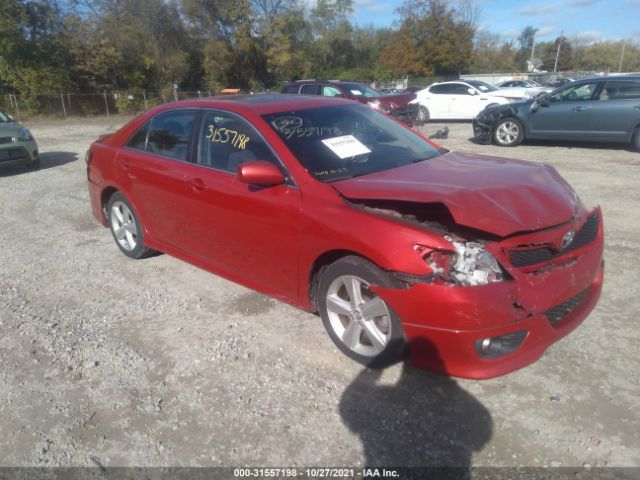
{"x": 158, "y": 363}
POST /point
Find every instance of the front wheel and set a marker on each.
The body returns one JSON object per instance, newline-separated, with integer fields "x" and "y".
{"x": 423, "y": 114}
{"x": 358, "y": 321}
{"x": 508, "y": 132}
{"x": 126, "y": 227}
{"x": 636, "y": 140}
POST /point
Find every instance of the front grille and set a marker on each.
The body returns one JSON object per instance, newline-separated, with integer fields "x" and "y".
{"x": 559, "y": 312}
{"x": 586, "y": 235}
{"x": 4, "y": 140}
{"x": 13, "y": 154}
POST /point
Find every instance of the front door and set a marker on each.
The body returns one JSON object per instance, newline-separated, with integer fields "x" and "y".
{"x": 567, "y": 114}
{"x": 246, "y": 231}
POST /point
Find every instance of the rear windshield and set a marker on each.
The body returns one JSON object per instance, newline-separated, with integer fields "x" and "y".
{"x": 346, "y": 141}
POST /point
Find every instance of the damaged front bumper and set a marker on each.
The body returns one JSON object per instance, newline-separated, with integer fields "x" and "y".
{"x": 452, "y": 329}
{"x": 482, "y": 132}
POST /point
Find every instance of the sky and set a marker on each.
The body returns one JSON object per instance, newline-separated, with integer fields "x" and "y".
{"x": 589, "y": 20}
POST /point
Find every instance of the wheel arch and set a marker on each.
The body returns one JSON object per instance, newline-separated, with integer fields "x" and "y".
{"x": 319, "y": 264}
{"x": 106, "y": 195}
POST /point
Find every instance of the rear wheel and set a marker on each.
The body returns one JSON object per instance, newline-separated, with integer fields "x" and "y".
{"x": 126, "y": 227}
{"x": 358, "y": 321}
{"x": 508, "y": 132}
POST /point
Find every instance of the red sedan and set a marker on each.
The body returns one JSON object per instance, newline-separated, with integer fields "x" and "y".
{"x": 472, "y": 264}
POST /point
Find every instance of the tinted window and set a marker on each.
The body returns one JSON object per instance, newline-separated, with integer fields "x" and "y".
{"x": 139, "y": 140}
{"x": 290, "y": 89}
{"x": 226, "y": 142}
{"x": 311, "y": 89}
{"x": 620, "y": 90}
{"x": 446, "y": 88}
{"x": 339, "y": 142}
{"x": 169, "y": 133}
{"x": 482, "y": 86}
{"x": 460, "y": 89}
{"x": 575, "y": 93}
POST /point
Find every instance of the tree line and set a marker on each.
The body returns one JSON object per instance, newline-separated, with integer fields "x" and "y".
{"x": 49, "y": 46}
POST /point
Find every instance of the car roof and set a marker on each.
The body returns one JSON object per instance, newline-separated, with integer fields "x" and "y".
{"x": 261, "y": 103}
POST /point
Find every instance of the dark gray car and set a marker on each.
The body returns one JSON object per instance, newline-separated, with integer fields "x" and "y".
{"x": 602, "y": 109}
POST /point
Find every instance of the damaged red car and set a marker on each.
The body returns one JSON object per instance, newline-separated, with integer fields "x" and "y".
{"x": 472, "y": 264}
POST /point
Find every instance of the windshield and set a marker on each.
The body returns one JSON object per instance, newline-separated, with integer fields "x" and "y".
{"x": 346, "y": 141}
{"x": 482, "y": 86}
{"x": 358, "y": 90}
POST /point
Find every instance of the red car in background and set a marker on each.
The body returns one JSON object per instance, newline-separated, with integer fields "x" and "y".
{"x": 396, "y": 104}
{"x": 476, "y": 264}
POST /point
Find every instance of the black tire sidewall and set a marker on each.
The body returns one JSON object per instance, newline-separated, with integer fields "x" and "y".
{"x": 368, "y": 271}
{"x": 140, "y": 251}
{"x": 518, "y": 139}
{"x": 636, "y": 140}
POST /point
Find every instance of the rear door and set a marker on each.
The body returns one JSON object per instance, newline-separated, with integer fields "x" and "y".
{"x": 152, "y": 175}
{"x": 567, "y": 115}
{"x": 616, "y": 113}
{"x": 247, "y": 231}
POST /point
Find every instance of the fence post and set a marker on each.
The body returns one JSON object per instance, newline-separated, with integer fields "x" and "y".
{"x": 144, "y": 97}
{"x": 106, "y": 104}
{"x": 64, "y": 109}
{"x": 15, "y": 98}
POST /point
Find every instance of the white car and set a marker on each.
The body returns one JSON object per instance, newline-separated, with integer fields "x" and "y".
{"x": 524, "y": 88}
{"x": 460, "y": 100}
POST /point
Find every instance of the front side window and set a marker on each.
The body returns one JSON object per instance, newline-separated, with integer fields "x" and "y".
{"x": 139, "y": 139}
{"x": 330, "y": 91}
{"x": 482, "y": 86}
{"x": 443, "y": 89}
{"x": 358, "y": 90}
{"x": 575, "y": 93}
{"x": 170, "y": 132}
{"x": 227, "y": 141}
{"x": 339, "y": 142}
{"x": 461, "y": 89}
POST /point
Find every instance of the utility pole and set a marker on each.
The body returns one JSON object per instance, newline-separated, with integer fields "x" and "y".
{"x": 624, "y": 44}
{"x": 533, "y": 49}
{"x": 555, "y": 65}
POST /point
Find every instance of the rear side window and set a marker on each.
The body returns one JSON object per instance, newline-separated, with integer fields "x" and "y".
{"x": 444, "y": 89}
{"x": 620, "y": 90}
{"x": 170, "y": 132}
{"x": 311, "y": 90}
{"x": 290, "y": 89}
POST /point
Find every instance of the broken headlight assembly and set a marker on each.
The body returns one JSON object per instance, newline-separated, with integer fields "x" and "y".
{"x": 470, "y": 264}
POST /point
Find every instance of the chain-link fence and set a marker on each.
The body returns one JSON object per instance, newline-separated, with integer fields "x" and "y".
{"x": 66, "y": 105}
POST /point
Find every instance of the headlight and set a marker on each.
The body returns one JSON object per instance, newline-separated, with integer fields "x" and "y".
{"x": 469, "y": 265}
{"x": 24, "y": 135}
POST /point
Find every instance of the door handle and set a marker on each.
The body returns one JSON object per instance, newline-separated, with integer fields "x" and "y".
{"x": 196, "y": 183}
{"x": 581, "y": 109}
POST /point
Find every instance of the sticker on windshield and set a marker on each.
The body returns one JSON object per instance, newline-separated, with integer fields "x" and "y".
{"x": 346, "y": 146}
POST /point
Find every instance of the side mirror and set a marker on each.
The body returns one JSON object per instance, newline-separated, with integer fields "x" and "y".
{"x": 471, "y": 91}
{"x": 260, "y": 173}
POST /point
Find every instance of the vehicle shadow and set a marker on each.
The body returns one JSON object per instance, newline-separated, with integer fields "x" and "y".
{"x": 47, "y": 160}
{"x": 424, "y": 420}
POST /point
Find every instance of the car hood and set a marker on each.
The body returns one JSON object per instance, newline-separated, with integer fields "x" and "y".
{"x": 9, "y": 129}
{"x": 491, "y": 194}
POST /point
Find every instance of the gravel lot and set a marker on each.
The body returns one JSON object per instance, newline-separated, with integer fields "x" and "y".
{"x": 158, "y": 363}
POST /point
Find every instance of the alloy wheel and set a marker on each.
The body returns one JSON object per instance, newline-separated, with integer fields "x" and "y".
{"x": 124, "y": 226}
{"x": 507, "y": 132}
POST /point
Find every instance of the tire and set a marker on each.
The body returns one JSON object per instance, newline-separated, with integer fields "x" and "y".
{"x": 126, "y": 228}
{"x": 376, "y": 341}
{"x": 423, "y": 115}
{"x": 509, "y": 132}
{"x": 635, "y": 142}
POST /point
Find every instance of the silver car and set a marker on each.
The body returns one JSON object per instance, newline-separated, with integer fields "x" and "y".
{"x": 17, "y": 145}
